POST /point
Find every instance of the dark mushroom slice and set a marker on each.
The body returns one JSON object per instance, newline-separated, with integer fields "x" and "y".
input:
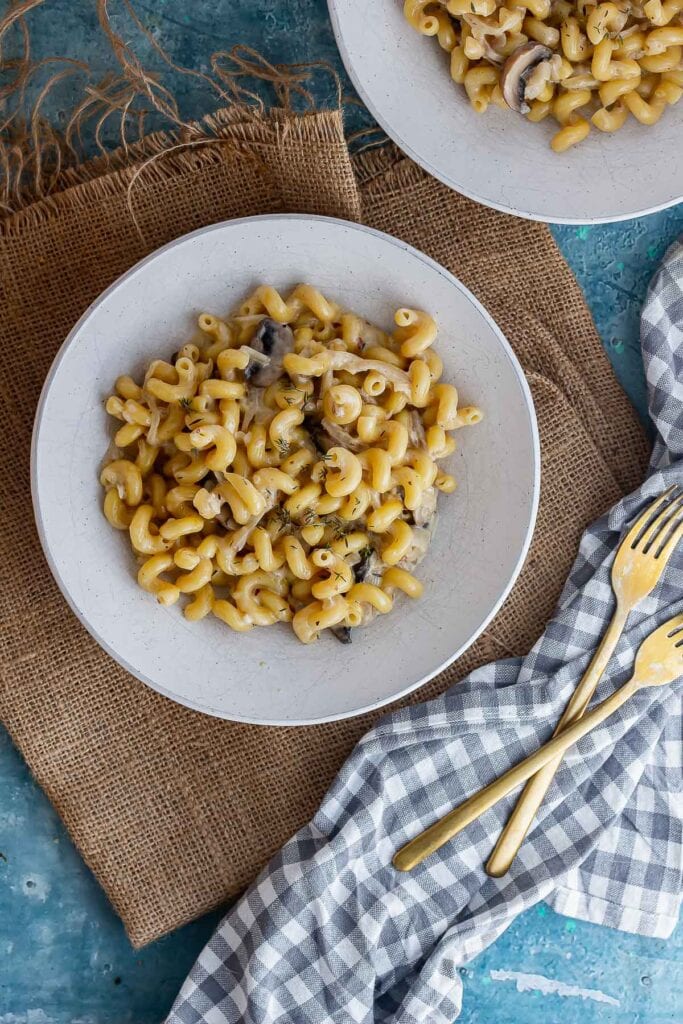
{"x": 314, "y": 429}
{"x": 368, "y": 569}
{"x": 362, "y": 566}
{"x": 342, "y": 634}
{"x": 274, "y": 341}
{"x": 516, "y": 71}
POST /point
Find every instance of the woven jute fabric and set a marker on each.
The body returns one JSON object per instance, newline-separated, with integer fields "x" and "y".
{"x": 174, "y": 811}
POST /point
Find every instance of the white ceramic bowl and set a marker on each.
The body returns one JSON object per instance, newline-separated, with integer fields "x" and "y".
{"x": 499, "y": 158}
{"x": 267, "y": 676}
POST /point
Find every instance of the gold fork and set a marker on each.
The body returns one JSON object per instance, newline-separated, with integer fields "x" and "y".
{"x": 638, "y": 565}
{"x": 659, "y": 661}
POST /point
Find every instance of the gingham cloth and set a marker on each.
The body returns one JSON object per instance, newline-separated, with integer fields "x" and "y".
{"x": 330, "y": 932}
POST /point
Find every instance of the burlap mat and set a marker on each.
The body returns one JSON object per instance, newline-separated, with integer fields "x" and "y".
{"x": 173, "y": 811}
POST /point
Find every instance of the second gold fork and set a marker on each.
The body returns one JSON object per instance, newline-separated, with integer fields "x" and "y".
{"x": 659, "y": 662}
{"x": 638, "y": 565}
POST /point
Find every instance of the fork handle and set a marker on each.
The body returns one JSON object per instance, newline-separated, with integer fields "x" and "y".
{"x": 434, "y": 837}
{"x": 526, "y": 808}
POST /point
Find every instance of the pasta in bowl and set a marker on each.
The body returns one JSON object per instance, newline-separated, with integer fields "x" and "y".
{"x": 585, "y": 64}
{"x": 565, "y": 111}
{"x": 186, "y": 465}
{"x": 284, "y": 467}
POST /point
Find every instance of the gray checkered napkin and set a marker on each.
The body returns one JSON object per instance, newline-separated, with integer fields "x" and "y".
{"x": 330, "y": 932}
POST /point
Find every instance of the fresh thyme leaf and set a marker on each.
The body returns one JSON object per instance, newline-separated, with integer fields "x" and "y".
{"x": 282, "y": 516}
{"x": 283, "y": 446}
{"x": 337, "y": 525}
{"x": 334, "y": 521}
{"x": 186, "y": 403}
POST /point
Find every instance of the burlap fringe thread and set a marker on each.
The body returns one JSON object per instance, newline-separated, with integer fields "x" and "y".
{"x": 39, "y": 162}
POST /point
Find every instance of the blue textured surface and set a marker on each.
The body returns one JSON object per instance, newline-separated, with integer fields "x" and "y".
{"x": 64, "y": 958}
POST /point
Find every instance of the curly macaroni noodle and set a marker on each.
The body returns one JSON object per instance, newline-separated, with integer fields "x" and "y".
{"x": 283, "y": 465}
{"x": 585, "y": 63}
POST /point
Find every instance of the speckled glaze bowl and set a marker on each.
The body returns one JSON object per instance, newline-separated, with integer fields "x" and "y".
{"x": 499, "y": 158}
{"x": 267, "y": 676}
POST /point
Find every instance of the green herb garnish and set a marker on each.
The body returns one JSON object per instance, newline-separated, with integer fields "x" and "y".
{"x": 283, "y": 517}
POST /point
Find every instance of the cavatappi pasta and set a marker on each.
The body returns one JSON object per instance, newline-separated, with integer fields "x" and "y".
{"x": 582, "y": 63}
{"x": 283, "y": 466}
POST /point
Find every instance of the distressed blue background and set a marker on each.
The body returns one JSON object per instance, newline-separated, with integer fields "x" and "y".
{"x": 64, "y": 958}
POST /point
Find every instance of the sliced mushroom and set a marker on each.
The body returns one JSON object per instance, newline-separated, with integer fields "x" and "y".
{"x": 416, "y": 430}
{"x": 336, "y": 434}
{"x": 325, "y": 434}
{"x": 274, "y": 341}
{"x": 426, "y": 510}
{"x": 254, "y": 408}
{"x": 313, "y": 427}
{"x": 354, "y": 364}
{"x": 419, "y": 545}
{"x": 342, "y": 634}
{"x": 368, "y": 569}
{"x": 516, "y": 71}
{"x": 360, "y": 569}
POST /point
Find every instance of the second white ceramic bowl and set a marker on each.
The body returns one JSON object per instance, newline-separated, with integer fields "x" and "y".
{"x": 499, "y": 158}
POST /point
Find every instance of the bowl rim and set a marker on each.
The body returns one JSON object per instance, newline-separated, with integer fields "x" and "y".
{"x": 394, "y": 133}
{"x": 136, "y": 268}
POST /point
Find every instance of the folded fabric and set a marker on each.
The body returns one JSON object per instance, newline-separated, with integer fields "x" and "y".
{"x": 331, "y": 932}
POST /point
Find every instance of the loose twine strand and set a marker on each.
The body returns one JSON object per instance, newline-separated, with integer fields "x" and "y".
{"x": 35, "y": 157}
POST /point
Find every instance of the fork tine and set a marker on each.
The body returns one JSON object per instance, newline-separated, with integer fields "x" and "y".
{"x": 672, "y": 538}
{"x": 675, "y": 625}
{"x": 664, "y": 522}
{"x": 646, "y": 518}
{"x": 654, "y": 529}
